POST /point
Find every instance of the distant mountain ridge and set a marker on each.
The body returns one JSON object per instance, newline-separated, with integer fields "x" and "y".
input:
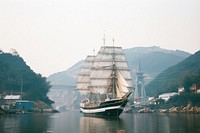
{"x": 153, "y": 61}
{"x": 145, "y": 50}
{"x": 67, "y": 77}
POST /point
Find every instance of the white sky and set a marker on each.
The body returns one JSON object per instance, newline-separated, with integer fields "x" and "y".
{"x": 52, "y": 35}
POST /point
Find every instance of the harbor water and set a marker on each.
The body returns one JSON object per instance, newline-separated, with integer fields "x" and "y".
{"x": 75, "y": 122}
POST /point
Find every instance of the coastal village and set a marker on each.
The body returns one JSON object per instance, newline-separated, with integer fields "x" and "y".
{"x": 151, "y": 104}
{"x": 145, "y": 104}
{"x": 138, "y": 102}
{"x": 14, "y": 104}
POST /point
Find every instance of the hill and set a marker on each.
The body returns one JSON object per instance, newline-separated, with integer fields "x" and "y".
{"x": 67, "y": 77}
{"x": 16, "y": 75}
{"x": 183, "y": 74}
{"x": 153, "y": 61}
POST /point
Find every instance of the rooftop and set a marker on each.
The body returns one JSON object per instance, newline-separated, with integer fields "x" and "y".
{"x": 12, "y": 97}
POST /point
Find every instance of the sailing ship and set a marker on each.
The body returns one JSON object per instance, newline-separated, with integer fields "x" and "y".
{"x": 105, "y": 82}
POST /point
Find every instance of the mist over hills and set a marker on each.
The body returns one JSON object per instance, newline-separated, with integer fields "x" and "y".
{"x": 67, "y": 77}
{"x": 153, "y": 61}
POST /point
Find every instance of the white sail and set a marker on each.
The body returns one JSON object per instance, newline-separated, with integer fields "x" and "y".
{"x": 83, "y": 79}
{"x": 122, "y": 85}
{"x": 96, "y": 74}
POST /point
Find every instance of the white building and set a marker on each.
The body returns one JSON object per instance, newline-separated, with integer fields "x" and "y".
{"x": 166, "y": 96}
{"x": 9, "y": 99}
{"x": 181, "y": 90}
{"x": 12, "y": 97}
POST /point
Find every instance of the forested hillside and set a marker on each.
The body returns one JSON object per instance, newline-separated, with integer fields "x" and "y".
{"x": 183, "y": 74}
{"x": 15, "y": 76}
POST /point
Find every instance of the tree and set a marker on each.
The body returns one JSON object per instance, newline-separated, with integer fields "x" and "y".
{"x": 12, "y": 70}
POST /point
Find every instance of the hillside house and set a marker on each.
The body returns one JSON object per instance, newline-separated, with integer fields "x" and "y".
{"x": 181, "y": 90}
{"x": 195, "y": 89}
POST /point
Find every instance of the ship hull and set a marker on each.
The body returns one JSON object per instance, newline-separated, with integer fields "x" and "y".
{"x": 112, "y": 108}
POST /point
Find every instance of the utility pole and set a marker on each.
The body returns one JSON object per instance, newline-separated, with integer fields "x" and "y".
{"x": 22, "y": 80}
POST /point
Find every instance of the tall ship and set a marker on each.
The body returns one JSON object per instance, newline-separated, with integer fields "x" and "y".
{"x": 104, "y": 82}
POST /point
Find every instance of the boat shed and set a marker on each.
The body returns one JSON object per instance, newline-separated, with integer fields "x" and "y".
{"x": 24, "y": 105}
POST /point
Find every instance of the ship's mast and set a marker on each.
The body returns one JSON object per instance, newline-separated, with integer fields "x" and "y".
{"x": 104, "y": 40}
{"x": 113, "y": 71}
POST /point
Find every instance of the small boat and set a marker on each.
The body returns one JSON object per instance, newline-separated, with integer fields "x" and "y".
{"x": 105, "y": 81}
{"x": 162, "y": 110}
{"x": 145, "y": 110}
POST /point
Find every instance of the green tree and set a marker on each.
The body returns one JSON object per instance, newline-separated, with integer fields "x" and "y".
{"x": 16, "y": 75}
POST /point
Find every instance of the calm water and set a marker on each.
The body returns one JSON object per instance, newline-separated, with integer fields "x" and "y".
{"x": 75, "y": 122}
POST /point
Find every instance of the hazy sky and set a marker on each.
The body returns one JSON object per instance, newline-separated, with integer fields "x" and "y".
{"x": 52, "y": 35}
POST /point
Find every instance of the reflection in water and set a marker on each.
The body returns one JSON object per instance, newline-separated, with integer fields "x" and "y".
{"x": 65, "y": 122}
{"x": 101, "y": 125}
{"x": 75, "y": 122}
{"x": 23, "y": 123}
{"x": 151, "y": 123}
{"x": 161, "y": 123}
{"x": 186, "y": 123}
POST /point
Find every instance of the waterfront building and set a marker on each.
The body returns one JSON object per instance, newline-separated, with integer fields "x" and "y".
{"x": 10, "y": 99}
{"x": 24, "y": 105}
